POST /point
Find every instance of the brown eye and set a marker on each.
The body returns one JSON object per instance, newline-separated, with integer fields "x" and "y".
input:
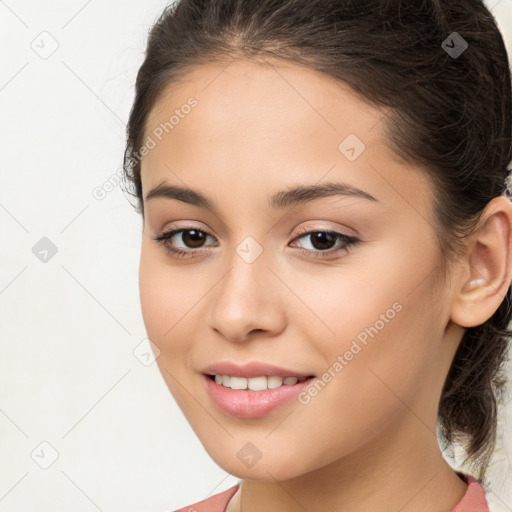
{"x": 326, "y": 243}
{"x": 183, "y": 242}
{"x": 322, "y": 240}
{"x": 193, "y": 238}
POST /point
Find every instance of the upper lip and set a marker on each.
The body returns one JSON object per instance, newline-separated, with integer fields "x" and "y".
{"x": 251, "y": 369}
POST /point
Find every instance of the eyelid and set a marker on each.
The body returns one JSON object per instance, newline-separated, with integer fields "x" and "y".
{"x": 315, "y": 228}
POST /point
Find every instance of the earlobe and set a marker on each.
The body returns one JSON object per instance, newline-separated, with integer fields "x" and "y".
{"x": 487, "y": 271}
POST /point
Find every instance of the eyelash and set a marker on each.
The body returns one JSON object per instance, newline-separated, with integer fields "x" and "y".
{"x": 347, "y": 242}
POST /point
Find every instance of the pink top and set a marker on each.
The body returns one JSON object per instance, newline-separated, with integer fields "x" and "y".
{"x": 473, "y": 501}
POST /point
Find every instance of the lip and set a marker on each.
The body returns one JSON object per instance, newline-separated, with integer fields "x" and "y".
{"x": 244, "y": 403}
{"x": 251, "y": 369}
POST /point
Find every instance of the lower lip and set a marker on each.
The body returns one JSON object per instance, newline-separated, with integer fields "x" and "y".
{"x": 245, "y": 403}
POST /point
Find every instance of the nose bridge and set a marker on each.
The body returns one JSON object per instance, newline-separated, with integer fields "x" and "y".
{"x": 247, "y": 266}
{"x": 244, "y": 300}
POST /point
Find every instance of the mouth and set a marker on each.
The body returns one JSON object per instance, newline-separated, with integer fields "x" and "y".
{"x": 253, "y": 397}
{"x": 259, "y": 383}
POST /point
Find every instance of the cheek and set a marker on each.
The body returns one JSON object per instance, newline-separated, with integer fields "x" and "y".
{"x": 383, "y": 332}
{"x": 172, "y": 298}
{"x": 166, "y": 293}
{"x": 385, "y": 289}
{"x": 164, "y": 305}
{"x": 154, "y": 296}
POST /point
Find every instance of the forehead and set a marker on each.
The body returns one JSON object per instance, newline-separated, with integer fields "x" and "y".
{"x": 270, "y": 95}
{"x": 254, "y": 124}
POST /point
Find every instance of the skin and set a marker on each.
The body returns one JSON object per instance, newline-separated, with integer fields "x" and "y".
{"x": 367, "y": 440}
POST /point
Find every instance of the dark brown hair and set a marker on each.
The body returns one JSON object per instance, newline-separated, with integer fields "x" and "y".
{"x": 450, "y": 113}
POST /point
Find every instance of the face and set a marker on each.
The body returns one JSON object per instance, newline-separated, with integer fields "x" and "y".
{"x": 342, "y": 287}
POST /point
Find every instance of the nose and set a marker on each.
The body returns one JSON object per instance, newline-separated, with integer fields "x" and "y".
{"x": 247, "y": 300}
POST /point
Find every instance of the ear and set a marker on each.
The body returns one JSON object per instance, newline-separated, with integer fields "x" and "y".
{"x": 487, "y": 266}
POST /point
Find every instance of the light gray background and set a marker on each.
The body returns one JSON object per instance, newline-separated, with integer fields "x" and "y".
{"x": 69, "y": 375}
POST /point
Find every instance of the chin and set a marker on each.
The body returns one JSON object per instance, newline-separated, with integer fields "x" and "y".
{"x": 275, "y": 465}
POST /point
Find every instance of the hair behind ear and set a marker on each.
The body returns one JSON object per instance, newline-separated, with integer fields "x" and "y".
{"x": 475, "y": 386}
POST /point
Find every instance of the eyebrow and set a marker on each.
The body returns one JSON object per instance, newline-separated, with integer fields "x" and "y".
{"x": 290, "y": 197}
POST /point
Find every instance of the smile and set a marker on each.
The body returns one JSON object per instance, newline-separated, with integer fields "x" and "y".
{"x": 256, "y": 383}
{"x": 253, "y": 397}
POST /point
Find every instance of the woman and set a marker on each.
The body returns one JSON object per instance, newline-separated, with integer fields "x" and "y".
{"x": 326, "y": 255}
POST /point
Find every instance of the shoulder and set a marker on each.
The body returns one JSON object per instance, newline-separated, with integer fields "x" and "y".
{"x": 216, "y": 503}
{"x": 474, "y": 500}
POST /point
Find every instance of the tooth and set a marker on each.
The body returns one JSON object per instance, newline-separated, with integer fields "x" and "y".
{"x": 238, "y": 383}
{"x": 274, "y": 381}
{"x": 257, "y": 383}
